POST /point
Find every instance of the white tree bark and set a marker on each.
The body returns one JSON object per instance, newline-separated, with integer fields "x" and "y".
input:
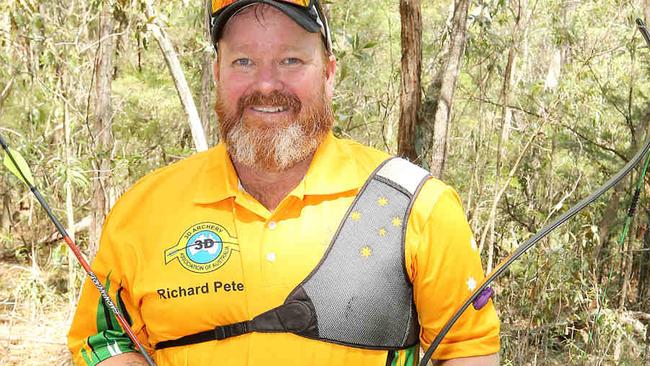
{"x": 174, "y": 65}
{"x": 448, "y": 76}
{"x": 69, "y": 207}
{"x": 554, "y": 70}
{"x": 103, "y": 120}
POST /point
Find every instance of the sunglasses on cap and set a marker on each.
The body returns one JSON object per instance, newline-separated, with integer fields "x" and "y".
{"x": 307, "y": 13}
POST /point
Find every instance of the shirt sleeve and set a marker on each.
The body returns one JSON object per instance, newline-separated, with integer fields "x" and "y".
{"x": 95, "y": 334}
{"x": 443, "y": 262}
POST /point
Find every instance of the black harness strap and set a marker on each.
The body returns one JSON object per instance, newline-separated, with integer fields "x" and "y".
{"x": 295, "y": 316}
{"x": 218, "y": 333}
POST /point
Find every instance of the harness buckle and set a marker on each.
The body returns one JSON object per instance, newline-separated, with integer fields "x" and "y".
{"x": 231, "y": 330}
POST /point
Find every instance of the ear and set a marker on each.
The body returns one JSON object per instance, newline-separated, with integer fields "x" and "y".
{"x": 330, "y": 73}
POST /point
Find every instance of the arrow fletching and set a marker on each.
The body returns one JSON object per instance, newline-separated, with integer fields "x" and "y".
{"x": 18, "y": 166}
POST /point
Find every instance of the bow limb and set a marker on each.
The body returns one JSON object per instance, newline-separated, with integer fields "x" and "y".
{"x": 503, "y": 266}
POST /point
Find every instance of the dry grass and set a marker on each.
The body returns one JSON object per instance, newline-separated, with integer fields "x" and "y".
{"x": 35, "y": 316}
{"x": 34, "y": 319}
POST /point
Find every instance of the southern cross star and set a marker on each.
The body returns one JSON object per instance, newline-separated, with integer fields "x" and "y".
{"x": 471, "y": 283}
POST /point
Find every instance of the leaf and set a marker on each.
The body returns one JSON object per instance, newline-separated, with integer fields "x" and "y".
{"x": 79, "y": 178}
{"x": 22, "y": 166}
{"x": 371, "y": 44}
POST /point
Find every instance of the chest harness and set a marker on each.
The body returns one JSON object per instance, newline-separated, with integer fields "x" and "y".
{"x": 359, "y": 295}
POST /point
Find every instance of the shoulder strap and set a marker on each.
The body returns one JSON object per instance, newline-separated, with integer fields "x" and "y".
{"x": 403, "y": 173}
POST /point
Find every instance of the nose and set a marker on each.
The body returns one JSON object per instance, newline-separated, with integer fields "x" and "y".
{"x": 268, "y": 79}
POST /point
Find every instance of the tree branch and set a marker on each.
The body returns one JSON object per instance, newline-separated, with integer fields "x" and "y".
{"x": 600, "y": 145}
{"x": 6, "y": 91}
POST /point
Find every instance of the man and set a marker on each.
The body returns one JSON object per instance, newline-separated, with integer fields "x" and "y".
{"x": 271, "y": 248}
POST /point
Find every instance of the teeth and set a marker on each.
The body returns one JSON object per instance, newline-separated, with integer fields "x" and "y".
{"x": 269, "y": 109}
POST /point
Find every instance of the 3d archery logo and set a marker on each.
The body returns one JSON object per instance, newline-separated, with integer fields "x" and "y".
{"x": 203, "y": 248}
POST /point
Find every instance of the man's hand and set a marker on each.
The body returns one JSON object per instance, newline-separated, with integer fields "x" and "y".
{"x": 488, "y": 360}
{"x": 125, "y": 359}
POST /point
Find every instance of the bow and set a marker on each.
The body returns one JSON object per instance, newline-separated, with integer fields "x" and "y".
{"x": 483, "y": 293}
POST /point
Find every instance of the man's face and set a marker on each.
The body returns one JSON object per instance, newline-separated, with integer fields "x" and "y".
{"x": 274, "y": 89}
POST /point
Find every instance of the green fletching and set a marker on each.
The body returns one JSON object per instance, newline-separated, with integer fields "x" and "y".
{"x": 20, "y": 166}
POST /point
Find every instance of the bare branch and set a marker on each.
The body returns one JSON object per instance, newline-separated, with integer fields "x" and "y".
{"x": 595, "y": 143}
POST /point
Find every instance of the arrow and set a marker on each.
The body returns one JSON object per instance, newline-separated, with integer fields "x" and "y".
{"x": 18, "y": 166}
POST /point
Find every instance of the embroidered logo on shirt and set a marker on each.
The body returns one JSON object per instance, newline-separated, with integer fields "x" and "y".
{"x": 203, "y": 248}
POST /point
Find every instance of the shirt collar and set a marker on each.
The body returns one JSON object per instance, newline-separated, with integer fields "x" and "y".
{"x": 333, "y": 170}
{"x": 218, "y": 178}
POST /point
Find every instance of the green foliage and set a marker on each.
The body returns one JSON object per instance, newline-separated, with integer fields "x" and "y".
{"x": 558, "y": 305}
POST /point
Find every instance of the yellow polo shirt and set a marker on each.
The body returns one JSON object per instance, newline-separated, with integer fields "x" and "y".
{"x": 187, "y": 249}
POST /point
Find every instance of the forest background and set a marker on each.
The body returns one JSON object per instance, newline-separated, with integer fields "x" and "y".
{"x": 524, "y": 106}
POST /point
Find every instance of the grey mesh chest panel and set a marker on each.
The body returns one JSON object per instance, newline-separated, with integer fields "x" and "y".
{"x": 360, "y": 291}
{"x": 359, "y": 294}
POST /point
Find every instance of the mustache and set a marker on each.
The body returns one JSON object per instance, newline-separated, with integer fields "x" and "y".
{"x": 275, "y": 99}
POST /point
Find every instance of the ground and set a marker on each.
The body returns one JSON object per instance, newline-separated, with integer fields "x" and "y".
{"x": 34, "y": 320}
{"x": 35, "y": 315}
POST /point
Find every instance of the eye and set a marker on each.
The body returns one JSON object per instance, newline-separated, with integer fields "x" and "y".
{"x": 243, "y": 62}
{"x": 291, "y": 61}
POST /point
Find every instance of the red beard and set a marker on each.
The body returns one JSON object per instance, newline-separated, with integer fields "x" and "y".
{"x": 277, "y": 147}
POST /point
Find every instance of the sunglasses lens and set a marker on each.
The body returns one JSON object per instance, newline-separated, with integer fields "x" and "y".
{"x": 220, "y": 4}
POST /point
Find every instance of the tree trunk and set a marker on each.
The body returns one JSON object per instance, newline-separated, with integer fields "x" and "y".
{"x": 5, "y": 212}
{"x": 499, "y": 191}
{"x": 506, "y": 111}
{"x": 174, "y": 65}
{"x": 626, "y": 269}
{"x": 410, "y": 95}
{"x": 506, "y": 115}
{"x": 102, "y": 126}
{"x": 5, "y": 27}
{"x": 554, "y": 70}
{"x": 647, "y": 345}
{"x": 4, "y": 94}
{"x": 448, "y": 77}
{"x": 68, "y": 158}
{"x": 605, "y": 225}
{"x": 643, "y": 290}
{"x": 206, "y": 99}
{"x": 69, "y": 208}
{"x": 207, "y": 83}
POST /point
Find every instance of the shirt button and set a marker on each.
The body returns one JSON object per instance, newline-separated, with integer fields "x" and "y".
{"x": 272, "y": 225}
{"x": 270, "y": 257}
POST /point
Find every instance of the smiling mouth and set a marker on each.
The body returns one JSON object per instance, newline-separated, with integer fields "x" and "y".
{"x": 277, "y": 109}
